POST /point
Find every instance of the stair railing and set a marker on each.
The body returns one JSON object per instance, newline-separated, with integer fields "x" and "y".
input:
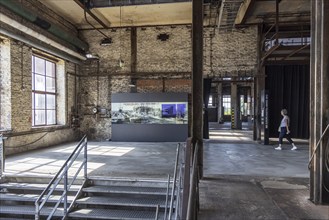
{"x": 63, "y": 176}
{"x": 176, "y": 190}
{"x": 193, "y": 199}
{"x": 167, "y": 196}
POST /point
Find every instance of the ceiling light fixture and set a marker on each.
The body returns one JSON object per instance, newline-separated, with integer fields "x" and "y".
{"x": 106, "y": 41}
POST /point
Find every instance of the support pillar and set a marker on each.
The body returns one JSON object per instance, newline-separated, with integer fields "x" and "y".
{"x": 234, "y": 105}
{"x": 319, "y": 101}
{"x": 220, "y": 102}
{"x": 197, "y": 79}
{"x": 259, "y": 85}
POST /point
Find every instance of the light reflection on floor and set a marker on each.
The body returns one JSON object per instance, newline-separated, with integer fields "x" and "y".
{"x": 37, "y": 163}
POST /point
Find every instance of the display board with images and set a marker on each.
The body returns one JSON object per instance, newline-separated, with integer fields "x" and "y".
{"x": 149, "y": 113}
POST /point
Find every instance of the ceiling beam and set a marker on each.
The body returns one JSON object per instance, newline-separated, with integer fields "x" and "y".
{"x": 91, "y": 14}
{"x": 244, "y": 11}
{"x": 117, "y": 3}
{"x": 296, "y": 51}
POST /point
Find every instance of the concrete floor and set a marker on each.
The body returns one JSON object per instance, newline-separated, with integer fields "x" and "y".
{"x": 242, "y": 179}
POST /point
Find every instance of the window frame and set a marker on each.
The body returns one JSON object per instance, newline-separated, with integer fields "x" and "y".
{"x": 44, "y": 92}
{"x": 226, "y": 103}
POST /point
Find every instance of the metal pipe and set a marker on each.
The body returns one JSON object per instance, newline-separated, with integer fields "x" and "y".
{"x": 68, "y": 54}
{"x": 52, "y": 28}
{"x": 167, "y": 195}
{"x": 85, "y": 159}
{"x": 193, "y": 184}
{"x": 157, "y": 212}
{"x": 65, "y": 190}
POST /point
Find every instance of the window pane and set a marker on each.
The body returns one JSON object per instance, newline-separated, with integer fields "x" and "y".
{"x": 39, "y": 83}
{"x": 33, "y": 64}
{"x": 32, "y": 101}
{"x": 51, "y": 117}
{"x": 40, "y": 117}
{"x": 40, "y": 101}
{"x": 33, "y": 118}
{"x": 50, "y": 84}
{"x": 51, "y": 104}
{"x": 50, "y": 69}
{"x": 39, "y": 65}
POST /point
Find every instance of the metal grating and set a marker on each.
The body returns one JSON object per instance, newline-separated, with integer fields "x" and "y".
{"x": 126, "y": 189}
{"x": 113, "y": 214}
{"x": 28, "y": 197}
{"x": 26, "y": 210}
{"x": 32, "y": 186}
{"x": 122, "y": 201}
{"x": 227, "y": 14}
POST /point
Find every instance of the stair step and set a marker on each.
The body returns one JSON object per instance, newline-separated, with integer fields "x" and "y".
{"x": 33, "y": 186}
{"x": 126, "y": 189}
{"x": 122, "y": 201}
{"x": 27, "y": 210}
{"x": 111, "y": 214}
{"x": 29, "y": 197}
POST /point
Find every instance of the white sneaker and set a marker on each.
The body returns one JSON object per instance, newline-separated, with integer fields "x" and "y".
{"x": 278, "y": 148}
{"x": 294, "y": 148}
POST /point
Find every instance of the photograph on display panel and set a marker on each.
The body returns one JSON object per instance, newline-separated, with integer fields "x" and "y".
{"x": 149, "y": 113}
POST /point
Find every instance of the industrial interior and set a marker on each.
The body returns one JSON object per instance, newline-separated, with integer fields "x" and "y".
{"x": 164, "y": 109}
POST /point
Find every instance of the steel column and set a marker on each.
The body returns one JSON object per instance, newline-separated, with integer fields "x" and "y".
{"x": 319, "y": 100}
{"x": 197, "y": 79}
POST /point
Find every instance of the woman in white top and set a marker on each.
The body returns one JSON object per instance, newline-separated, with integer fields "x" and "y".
{"x": 284, "y": 130}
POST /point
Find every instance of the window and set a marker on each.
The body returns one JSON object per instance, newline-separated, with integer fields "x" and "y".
{"x": 227, "y": 104}
{"x": 210, "y": 101}
{"x": 43, "y": 91}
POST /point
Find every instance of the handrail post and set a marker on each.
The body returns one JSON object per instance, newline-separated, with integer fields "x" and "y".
{"x": 186, "y": 176}
{"x": 157, "y": 212}
{"x": 167, "y": 195}
{"x": 174, "y": 183}
{"x": 85, "y": 159}
{"x": 65, "y": 190}
{"x": 37, "y": 211}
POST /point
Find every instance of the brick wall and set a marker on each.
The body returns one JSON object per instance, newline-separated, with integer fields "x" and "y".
{"x": 23, "y": 136}
{"x": 5, "y": 85}
{"x": 161, "y": 66}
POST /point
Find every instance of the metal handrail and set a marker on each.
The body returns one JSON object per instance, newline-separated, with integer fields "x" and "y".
{"x": 192, "y": 200}
{"x": 167, "y": 195}
{"x": 157, "y": 212}
{"x": 62, "y": 174}
{"x": 179, "y": 195}
{"x": 174, "y": 183}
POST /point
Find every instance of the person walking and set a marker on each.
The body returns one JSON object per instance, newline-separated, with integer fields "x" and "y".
{"x": 285, "y": 131}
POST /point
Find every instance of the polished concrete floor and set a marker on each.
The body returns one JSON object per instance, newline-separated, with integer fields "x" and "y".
{"x": 242, "y": 179}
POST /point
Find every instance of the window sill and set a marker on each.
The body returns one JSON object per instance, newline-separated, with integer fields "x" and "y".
{"x": 34, "y": 130}
{"x": 49, "y": 127}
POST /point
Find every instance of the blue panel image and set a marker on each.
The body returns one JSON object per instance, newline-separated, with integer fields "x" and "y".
{"x": 168, "y": 110}
{"x": 181, "y": 110}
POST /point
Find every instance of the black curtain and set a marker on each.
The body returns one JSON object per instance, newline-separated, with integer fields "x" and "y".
{"x": 288, "y": 87}
{"x": 206, "y": 94}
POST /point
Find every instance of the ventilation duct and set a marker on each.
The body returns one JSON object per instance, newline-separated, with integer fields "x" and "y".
{"x": 51, "y": 28}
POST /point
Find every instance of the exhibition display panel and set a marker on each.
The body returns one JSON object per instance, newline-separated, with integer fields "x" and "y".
{"x": 149, "y": 116}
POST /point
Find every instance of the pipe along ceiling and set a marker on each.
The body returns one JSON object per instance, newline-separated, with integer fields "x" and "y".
{"x": 50, "y": 27}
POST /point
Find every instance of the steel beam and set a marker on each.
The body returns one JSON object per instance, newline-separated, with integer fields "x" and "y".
{"x": 197, "y": 79}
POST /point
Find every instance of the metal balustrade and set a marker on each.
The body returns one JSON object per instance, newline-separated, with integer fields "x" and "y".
{"x": 63, "y": 177}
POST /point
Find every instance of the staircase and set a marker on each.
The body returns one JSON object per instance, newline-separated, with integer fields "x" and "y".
{"x": 100, "y": 199}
